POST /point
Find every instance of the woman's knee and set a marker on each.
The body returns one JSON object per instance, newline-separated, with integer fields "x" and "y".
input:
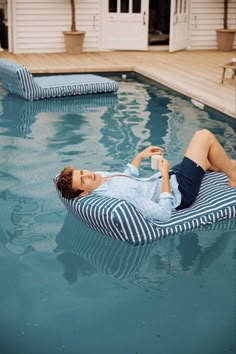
{"x": 203, "y": 134}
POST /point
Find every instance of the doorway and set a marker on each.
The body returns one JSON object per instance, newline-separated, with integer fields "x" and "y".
{"x": 144, "y": 24}
{"x": 159, "y": 23}
{"x": 3, "y": 25}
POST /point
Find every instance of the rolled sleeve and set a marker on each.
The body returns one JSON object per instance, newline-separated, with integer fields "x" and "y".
{"x": 165, "y": 195}
{"x": 131, "y": 170}
{"x": 156, "y": 211}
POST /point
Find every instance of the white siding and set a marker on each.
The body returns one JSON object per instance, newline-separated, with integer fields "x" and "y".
{"x": 205, "y": 18}
{"x": 39, "y": 24}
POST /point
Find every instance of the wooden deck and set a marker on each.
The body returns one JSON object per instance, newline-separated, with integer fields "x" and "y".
{"x": 196, "y": 74}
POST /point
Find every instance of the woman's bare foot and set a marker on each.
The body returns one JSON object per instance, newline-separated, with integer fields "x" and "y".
{"x": 232, "y": 178}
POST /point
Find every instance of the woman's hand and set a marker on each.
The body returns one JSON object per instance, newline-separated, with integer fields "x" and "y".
{"x": 148, "y": 152}
{"x": 164, "y": 166}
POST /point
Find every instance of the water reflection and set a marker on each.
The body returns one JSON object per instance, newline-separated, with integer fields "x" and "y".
{"x": 189, "y": 250}
{"x": 183, "y": 119}
{"x": 17, "y": 119}
{"x": 27, "y": 195}
{"x": 75, "y": 267}
{"x": 27, "y": 224}
{"x": 84, "y": 252}
{"x": 124, "y": 130}
{"x": 183, "y": 123}
{"x": 210, "y": 254}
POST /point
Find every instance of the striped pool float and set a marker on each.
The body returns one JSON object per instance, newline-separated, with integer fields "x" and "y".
{"x": 16, "y": 79}
{"x": 120, "y": 219}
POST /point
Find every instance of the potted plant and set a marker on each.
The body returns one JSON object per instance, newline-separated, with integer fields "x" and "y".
{"x": 225, "y": 36}
{"x": 73, "y": 39}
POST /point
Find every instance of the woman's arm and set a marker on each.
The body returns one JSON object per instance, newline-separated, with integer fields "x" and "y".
{"x": 164, "y": 168}
{"x": 164, "y": 165}
{"x": 160, "y": 210}
{"x": 148, "y": 152}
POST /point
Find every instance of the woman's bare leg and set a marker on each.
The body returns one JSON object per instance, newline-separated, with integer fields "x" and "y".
{"x": 205, "y": 150}
{"x": 212, "y": 168}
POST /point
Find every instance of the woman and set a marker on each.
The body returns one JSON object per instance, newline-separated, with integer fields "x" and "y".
{"x": 164, "y": 191}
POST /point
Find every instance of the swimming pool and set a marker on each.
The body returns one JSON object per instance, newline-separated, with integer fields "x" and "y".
{"x": 67, "y": 289}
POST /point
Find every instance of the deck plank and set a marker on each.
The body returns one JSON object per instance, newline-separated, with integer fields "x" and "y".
{"x": 196, "y": 74}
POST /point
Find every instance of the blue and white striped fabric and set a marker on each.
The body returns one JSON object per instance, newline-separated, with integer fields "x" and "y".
{"x": 120, "y": 219}
{"x": 16, "y": 79}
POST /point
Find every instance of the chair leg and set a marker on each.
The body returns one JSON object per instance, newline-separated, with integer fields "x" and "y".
{"x": 223, "y": 76}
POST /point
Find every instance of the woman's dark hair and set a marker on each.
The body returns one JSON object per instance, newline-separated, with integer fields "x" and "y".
{"x": 64, "y": 184}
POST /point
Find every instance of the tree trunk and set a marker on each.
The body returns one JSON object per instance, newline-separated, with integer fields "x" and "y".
{"x": 225, "y": 14}
{"x": 73, "y": 20}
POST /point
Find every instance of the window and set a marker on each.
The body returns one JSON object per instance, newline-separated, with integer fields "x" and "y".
{"x": 176, "y": 7}
{"x": 185, "y": 6}
{"x": 136, "y": 6}
{"x": 124, "y": 6}
{"x": 112, "y": 6}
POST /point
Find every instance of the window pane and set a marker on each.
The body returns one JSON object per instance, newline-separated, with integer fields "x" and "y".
{"x": 136, "y": 6}
{"x": 176, "y": 7}
{"x": 112, "y": 5}
{"x": 124, "y": 6}
{"x": 185, "y": 6}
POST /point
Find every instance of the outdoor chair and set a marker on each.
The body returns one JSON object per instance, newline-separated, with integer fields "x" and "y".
{"x": 16, "y": 79}
{"x": 229, "y": 66}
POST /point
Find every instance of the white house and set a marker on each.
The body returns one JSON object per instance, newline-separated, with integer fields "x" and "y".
{"x": 36, "y": 26}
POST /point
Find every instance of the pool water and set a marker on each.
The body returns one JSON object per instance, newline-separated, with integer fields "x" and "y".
{"x": 67, "y": 289}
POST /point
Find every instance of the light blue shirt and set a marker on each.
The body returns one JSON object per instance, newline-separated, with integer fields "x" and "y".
{"x": 144, "y": 193}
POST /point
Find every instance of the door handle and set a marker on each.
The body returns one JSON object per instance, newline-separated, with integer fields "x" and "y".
{"x": 144, "y": 18}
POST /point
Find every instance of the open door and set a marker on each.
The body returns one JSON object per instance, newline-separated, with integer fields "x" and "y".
{"x": 125, "y": 24}
{"x": 3, "y": 28}
{"x": 179, "y": 25}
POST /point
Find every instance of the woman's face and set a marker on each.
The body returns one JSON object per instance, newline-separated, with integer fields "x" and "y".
{"x": 86, "y": 181}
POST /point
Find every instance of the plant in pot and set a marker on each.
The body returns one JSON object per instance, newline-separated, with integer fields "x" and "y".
{"x": 225, "y": 36}
{"x": 73, "y": 39}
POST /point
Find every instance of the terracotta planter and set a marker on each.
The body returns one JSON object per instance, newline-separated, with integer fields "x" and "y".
{"x": 74, "y": 42}
{"x": 225, "y": 39}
